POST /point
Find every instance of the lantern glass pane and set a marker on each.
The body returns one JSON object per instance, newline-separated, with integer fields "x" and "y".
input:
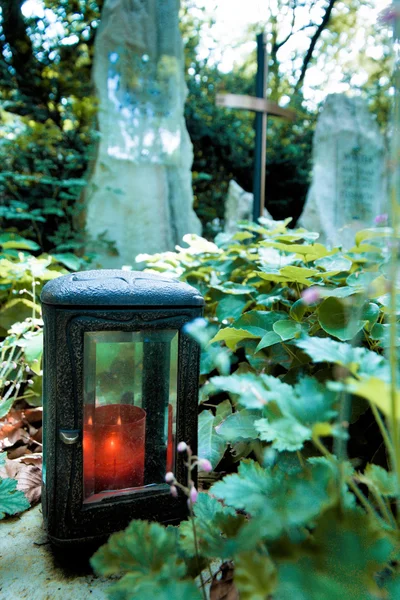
{"x": 130, "y": 393}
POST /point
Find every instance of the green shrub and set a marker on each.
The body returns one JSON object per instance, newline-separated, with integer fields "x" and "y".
{"x": 297, "y": 387}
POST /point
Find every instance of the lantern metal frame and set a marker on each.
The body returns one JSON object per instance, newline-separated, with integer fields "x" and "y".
{"x": 96, "y": 304}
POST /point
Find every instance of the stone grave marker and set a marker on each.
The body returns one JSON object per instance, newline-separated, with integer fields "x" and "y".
{"x": 349, "y": 187}
{"x": 139, "y": 196}
{"x": 239, "y": 207}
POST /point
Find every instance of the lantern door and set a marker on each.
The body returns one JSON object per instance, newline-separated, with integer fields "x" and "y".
{"x": 129, "y": 410}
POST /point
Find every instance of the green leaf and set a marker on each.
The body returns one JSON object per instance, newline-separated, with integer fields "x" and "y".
{"x": 13, "y": 240}
{"x": 258, "y": 322}
{"x": 279, "y": 501}
{"x": 370, "y": 313}
{"x": 285, "y": 433}
{"x": 69, "y": 260}
{"x": 290, "y": 417}
{"x": 12, "y": 501}
{"x": 336, "y": 262}
{"x": 16, "y": 310}
{"x": 134, "y": 586}
{"x": 298, "y": 310}
{"x": 380, "y": 480}
{"x": 312, "y": 403}
{"x": 221, "y": 532}
{"x": 229, "y": 287}
{"x": 269, "y": 339}
{"x": 210, "y": 445}
{"x": 32, "y": 342}
{"x": 253, "y": 391}
{"x": 327, "y": 350}
{"x": 238, "y": 426}
{"x": 232, "y": 337}
{"x": 347, "y": 553}
{"x": 142, "y": 548}
{"x": 255, "y": 575}
{"x": 335, "y": 320}
{"x": 299, "y": 274}
{"x": 287, "y": 329}
{"x": 231, "y": 307}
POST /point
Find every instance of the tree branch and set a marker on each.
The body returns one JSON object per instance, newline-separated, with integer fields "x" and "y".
{"x": 313, "y": 43}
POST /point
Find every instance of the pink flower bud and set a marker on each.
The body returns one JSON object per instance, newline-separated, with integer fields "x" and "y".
{"x": 310, "y": 295}
{"x": 205, "y": 465}
{"x": 381, "y": 219}
{"x": 193, "y": 494}
{"x": 169, "y": 477}
{"x": 181, "y": 447}
{"x": 389, "y": 15}
{"x": 174, "y": 491}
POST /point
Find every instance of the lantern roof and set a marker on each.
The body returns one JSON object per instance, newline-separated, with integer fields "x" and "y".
{"x": 109, "y": 287}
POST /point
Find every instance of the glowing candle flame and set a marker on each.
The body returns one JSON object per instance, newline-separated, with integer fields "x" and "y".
{"x": 90, "y": 421}
{"x": 119, "y": 420}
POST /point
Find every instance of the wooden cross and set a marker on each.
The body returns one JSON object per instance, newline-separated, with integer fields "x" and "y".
{"x": 262, "y": 107}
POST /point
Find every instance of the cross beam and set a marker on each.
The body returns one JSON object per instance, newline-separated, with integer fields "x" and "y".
{"x": 261, "y": 105}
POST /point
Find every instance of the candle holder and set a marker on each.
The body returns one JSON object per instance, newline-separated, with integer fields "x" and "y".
{"x": 120, "y": 388}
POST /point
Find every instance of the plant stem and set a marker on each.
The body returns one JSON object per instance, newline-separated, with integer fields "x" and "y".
{"x": 384, "y": 509}
{"x": 395, "y": 182}
{"x": 363, "y": 500}
{"x": 384, "y": 432}
{"x": 349, "y": 481}
{"x": 196, "y": 547}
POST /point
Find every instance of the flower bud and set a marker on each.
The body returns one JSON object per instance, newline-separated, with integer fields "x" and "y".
{"x": 169, "y": 477}
{"x": 174, "y": 491}
{"x": 193, "y": 494}
{"x": 205, "y": 465}
{"x": 181, "y": 447}
{"x": 310, "y": 295}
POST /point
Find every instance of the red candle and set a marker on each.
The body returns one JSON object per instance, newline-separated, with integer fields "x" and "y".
{"x": 170, "y": 444}
{"x": 113, "y": 447}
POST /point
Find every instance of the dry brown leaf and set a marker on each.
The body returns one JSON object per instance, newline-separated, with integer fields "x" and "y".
{"x": 18, "y": 452}
{"x": 34, "y": 458}
{"x": 222, "y": 585}
{"x": 34, "y": 415}
{"x": 38, "y": 436}
{"x": 29, "y": 479}
{"x": 10, "y": 469}
{"x": 10, "y": 434}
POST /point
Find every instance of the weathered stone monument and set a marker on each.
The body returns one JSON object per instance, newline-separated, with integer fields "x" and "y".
{"x": 348, "y": 185}
{"x": 140, "y": 196}
{"x": 238, "y": 207}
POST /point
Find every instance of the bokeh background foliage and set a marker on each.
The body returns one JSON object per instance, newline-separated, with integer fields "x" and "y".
{"x": 48, "y": 110}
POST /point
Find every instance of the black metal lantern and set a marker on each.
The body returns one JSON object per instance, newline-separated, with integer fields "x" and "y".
{"x": 120, "y": 389}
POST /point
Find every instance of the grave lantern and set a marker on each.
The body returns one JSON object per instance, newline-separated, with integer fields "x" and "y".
{"x": 120, "y": 390}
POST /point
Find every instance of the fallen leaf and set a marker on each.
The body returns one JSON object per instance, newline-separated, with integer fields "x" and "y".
{"x": 29, "y": 479}
{"x": 35, "y": 458}
{"x": 10, "y": 469}
{"x": 37, "y": 436}
{"x": 34, "y": 415}
{"x": 18, "y": 452}
{"x": 222, "y": 585}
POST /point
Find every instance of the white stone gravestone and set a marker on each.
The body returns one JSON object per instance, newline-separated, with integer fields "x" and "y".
{"x": 140, "y": 194}
{"x": 349, "y": 186}
{"x": 238, "y": 207}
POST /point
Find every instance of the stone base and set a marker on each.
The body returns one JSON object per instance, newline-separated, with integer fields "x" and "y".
{"x": 31, "y": 569}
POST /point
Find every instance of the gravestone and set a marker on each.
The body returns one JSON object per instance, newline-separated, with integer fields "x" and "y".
{"x": 238, "y": 207}
{"x": 349, "y": 186}
{"x": 139, "y": 197}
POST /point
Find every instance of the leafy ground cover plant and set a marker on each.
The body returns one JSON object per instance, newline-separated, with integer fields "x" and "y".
{"x": 22, "y": 276}
{"x": 295, "y": 413}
